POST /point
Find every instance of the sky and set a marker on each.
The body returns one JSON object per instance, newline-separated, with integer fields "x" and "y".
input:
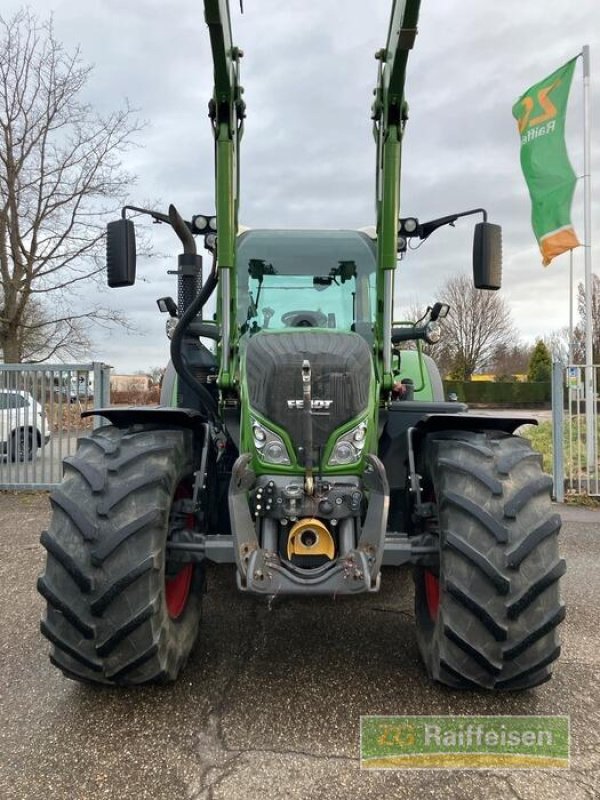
{"x": 308, "y": 154}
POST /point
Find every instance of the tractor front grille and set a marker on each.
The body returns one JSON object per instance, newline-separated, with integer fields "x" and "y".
{"x": 341, "y": 369}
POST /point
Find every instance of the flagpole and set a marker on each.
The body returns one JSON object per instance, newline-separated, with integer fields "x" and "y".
{"x": 587, "y": 224}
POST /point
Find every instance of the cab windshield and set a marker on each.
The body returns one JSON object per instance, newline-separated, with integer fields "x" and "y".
{"x": 305, "y": 279}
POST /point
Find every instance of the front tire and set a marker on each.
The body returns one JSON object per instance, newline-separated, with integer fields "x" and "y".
{"x": 117, "y": 611}
{"x": 487, "y": 614}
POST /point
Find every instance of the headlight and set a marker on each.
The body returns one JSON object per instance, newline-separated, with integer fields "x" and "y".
{"x": 170, "y": 326}
{"x": 433, "y": 332}
{"x": 269, "y": 445}
{"x": 259, "y": 434}
{"x": 349, "y": 447}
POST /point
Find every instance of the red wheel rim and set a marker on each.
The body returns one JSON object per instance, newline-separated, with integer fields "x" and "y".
{"x": 432, "y": 593}
{"x": 177, "y": 590}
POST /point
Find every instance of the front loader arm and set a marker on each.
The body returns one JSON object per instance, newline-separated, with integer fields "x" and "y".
{"x": 227, "y": 112}
{"x": 389, "y": 115}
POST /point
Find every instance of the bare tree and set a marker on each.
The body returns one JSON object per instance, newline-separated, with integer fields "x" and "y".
{"x": 579, "y": 332}
{"x": 43, "y": 333}
{"x": 479, "y": 322}
{"x": 557, "y": 342}
{"x": 156, "y": 373}
{"x": 509, "y": 360}
{"x": 60, "y": 174}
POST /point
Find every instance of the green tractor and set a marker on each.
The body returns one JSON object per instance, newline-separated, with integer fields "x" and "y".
{"x": 298, "y": 441}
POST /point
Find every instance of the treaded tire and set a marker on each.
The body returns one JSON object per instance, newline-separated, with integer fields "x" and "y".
{"x": 495, "y": 623}
{"x": 104, "y": 584}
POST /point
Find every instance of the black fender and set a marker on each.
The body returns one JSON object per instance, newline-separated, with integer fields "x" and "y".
{"x": 423, "y": 419}
{"x": 163, "y": 416}
{"x": 463, "y": 421}
{"x": 426, "y": 418}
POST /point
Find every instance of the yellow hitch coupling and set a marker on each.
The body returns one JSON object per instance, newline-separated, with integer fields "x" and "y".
{"x": 310, "y": 537}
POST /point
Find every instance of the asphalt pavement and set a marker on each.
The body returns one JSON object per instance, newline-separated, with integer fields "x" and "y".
{"x": 269, "y": 704}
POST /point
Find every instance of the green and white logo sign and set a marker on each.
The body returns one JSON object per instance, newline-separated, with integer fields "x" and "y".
{"x": 446, "y": 742}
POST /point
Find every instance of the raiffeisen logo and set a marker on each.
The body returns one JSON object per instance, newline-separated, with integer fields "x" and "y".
{"x": 478, "y": 734}
{"x": 440, "y": 742}
{"x": 541, "y": 130}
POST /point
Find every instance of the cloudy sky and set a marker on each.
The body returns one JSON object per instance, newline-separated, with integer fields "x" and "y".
{"x": 308, "y": 151}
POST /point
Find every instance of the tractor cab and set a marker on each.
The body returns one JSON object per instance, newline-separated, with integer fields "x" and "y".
{"x": 290, "y": 279}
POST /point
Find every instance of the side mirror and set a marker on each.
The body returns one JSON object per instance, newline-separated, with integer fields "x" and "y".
{"x": 487, "y": 256}
{"x": 120, "y": 253}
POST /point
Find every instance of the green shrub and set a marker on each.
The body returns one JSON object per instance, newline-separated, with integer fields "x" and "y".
{"x": 540, "y": 364}
{"x": 501, "y": 393}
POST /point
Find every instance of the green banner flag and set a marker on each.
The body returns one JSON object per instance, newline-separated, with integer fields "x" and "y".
{"x": 540, "y": 115}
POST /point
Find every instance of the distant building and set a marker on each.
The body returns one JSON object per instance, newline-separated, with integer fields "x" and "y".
{"x": 130, "y": 383}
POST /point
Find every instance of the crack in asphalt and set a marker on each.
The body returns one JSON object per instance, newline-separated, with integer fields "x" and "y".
{"x": 218, "y": 760}
{"x": 511, "y": 788}
{"x": 211, "y": 748}
{"x": 216, "y": 773}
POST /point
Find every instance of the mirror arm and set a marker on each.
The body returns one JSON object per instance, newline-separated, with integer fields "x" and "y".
{"x": 156, "y": 215}
{"x": 174, "y": 219}
{"x": 427, "y": 228}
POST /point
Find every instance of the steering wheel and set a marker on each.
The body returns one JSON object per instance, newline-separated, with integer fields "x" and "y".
{"x": 304, "y": 319}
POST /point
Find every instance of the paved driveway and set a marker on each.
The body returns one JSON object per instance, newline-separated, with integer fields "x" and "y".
{"x": 269, "y": 705}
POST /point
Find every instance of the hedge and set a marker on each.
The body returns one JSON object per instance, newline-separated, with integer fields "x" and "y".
{"x": 501, "y": 393}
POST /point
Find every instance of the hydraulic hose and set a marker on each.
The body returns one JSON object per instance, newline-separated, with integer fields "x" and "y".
{"x": 207, "y": 402}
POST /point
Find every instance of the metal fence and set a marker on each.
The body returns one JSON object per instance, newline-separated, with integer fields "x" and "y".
{"x": 576, "y": 457}
{"x": 40, "y": 408}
